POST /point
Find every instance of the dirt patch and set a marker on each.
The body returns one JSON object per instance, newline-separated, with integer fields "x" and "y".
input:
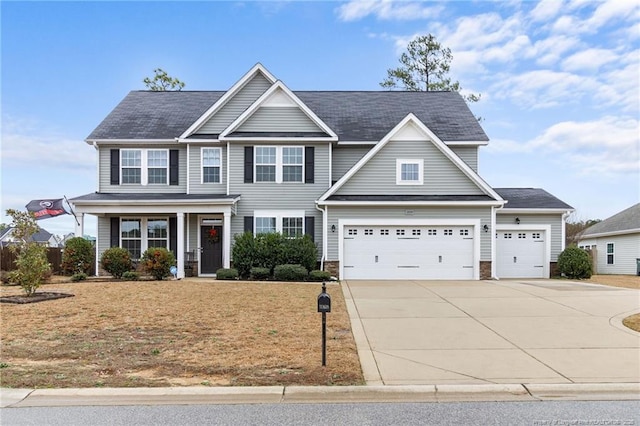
{"x": 40, "y": 296}
{"x": 626, "y": 281}
{"x": 632, "y": 322}
{"x": 176, "y": 333}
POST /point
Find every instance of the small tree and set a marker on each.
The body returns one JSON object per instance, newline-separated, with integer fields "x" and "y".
{"x": 78, "y": 256}
{"x": 31, "y": 260}
{"x": 157, "y": 262}
{"x": 116, "y": 261}
{"x": 162, "y": 82}
{"x": 575, "y": 263}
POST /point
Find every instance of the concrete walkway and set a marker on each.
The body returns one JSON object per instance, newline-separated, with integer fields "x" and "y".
{"x": 491, "y": 332}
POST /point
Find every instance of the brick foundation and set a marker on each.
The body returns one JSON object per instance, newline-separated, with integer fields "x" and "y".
{"x": 333, "y": 267}
{"x": 485, "y": 270}
{"x": 553, "y": 269}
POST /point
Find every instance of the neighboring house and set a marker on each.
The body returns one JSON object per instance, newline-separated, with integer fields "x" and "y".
{"x": 386, "y": 183}
{"x": 615, "y": 243}
{"x": 42, "y": 236}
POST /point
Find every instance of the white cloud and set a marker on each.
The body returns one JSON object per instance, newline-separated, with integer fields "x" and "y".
{"x": 548, "y": 51}
{"x": 546, "y": 10}
{"x": 386, "y": 10}
{"x": 589, "y": 60}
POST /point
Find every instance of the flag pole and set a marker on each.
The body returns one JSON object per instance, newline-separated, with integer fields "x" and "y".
{"x": 72, "y": 212}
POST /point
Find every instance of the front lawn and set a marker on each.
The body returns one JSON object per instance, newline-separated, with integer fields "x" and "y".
{"x": 176, "y": 333}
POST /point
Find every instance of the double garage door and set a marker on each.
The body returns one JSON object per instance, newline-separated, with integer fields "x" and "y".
{"x": 521, "y": 254}
{"x": 408, "y": 252}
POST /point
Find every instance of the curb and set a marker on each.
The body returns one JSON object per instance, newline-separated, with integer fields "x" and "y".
{"x": 200, "y": 395}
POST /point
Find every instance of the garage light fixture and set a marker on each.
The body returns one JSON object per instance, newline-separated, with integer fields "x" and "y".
{"x": 333, "y": 228}
{"x": 486, "y": 228}
{"x": 517, "y": 221}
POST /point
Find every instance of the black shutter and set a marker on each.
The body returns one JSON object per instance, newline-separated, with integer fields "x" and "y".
{"x": 115, "y": 232}
{"x": 173, "y": 236}
{"x": 309, "y": 164}
{"x": 248, "y": 224}
{"x": 115, "y": 167}
{"x": 309, "y": 226}
{"x": 248, "y": 165}
{"x": 173, "y": 166}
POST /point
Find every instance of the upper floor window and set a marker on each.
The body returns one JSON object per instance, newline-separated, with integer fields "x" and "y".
{"x": 211, "y": 165}
{"x": 158, "y": 166}
{"x": 144, "y": 166}
{"x": 265, "y": 164}
{"x": 292, "y": 164}
{"x": 131, "y": 165}
{"x": 279, "y": 164}
{"x": 409, "y": 172}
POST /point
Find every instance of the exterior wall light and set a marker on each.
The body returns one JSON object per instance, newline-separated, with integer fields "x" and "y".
{"x": 333, "y": 228}
{"x": 517, "y": 221}
{"x": 486, "y": 228}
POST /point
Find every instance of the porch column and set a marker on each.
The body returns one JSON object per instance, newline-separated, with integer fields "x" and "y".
{"x": 226, "y": 238}
{"x": 180, "y": 244}
{"x": 79, "y": 226}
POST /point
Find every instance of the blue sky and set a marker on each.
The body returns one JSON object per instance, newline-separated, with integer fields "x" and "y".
{"x": 559, "y": 80}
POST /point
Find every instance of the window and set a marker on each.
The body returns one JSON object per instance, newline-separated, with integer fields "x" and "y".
{"x": 535, "y": 235}
{"x": 265, "y": 225}
{"x": 522, "y": 235}
{"x": 158, "y": 166}
{"x": 368, "y": 232}
{"x": 432, "y": 232}
{"x": 409, "y": 172}
{"x": 157, "y": 233}
{"x": 131, "y": 236}
{"x": 416, "y": 232}
{"x": 211, "y": 164}
{"x": 292, "y": 226}
{"x": 464, "y": 232}
{"x": 131, "y": 165}
{"x": 507, "y": 235}
{"x": 448, "y": 232}
{"x": 352, "y": 232}
{"x": 384, "y": 232}
{"x": 399, "y": 232}
{"x": 610, "y": 254}
{"x": 265, "y": 164}
{"x": 292, "y": 164}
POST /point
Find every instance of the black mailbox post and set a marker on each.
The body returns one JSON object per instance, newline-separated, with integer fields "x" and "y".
{"x": 324, "y": 306}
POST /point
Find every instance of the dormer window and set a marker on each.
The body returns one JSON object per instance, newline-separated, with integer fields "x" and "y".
{"x": 409, "y": 172}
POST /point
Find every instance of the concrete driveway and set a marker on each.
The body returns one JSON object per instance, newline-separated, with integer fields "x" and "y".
{"x": 473, "y": 332}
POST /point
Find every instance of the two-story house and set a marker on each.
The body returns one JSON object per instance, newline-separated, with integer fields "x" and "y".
{"x": 385, "y": 182}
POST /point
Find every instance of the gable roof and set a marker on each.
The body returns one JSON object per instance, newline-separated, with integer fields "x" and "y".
{"x": 531, "y": 198}
{"x": 626, "y": 220}
{"x": 353, "y": 116}
{"x": 42, "y": 236}
{"x": 409, "y": 120}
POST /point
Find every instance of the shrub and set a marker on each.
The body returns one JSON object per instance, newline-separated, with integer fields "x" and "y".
{"x": 290, "y": 273}
{"x": 243, "y": 252}
{"x": 300, "y": 251}
{"x": 268, "y": 250}
{"x": 78, "y": 256}
{"x": 157, "y": 262}
{"x": 317, "y": 275}
{"x": 131, "y": 276}
{"x": 574, "y": 263}
{"x": 78, "y": 276}
{"x": 258, "y": 273}
{"x": 5, "y": 277}
{"x": 227, "y": 274}
{"x": 116, "y": 261}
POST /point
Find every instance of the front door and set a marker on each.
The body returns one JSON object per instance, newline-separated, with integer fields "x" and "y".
{"x": 211, "y": 253}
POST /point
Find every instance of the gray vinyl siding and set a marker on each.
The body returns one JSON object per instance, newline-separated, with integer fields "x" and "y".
{"x": 279, "y": 119}
{"x": 235, "y": 106}
{"x": 344, "y": 157}
{"x": 104, "y": 234}
{"x": 105, "y": 171}
{"x": 626, "y": 249}
{"x": 278, "y": 196}
{"x": 555, "y": 221}
{"x": 468, "y": 154}
{"x": 378, "y": 175}
{"x": 384, "y": 213}
{"x": 195, "y": 171}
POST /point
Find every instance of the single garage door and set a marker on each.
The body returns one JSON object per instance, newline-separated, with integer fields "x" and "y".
{"x": 408, "y": 252}
{"x": 520, "y": 254}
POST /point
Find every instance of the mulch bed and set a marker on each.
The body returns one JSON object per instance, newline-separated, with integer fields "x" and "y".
{"x": 36, "y": 297}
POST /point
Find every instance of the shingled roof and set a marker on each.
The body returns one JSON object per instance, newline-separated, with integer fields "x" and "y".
{"x": 531, "y": 198}
{"x": 353, "y": 116}
{"x": 626, "y": 220}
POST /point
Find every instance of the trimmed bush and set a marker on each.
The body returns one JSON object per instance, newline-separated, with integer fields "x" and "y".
{"x": 258, "y": 273}
{"x": 157, "y": 262}
{"x": 116, "y": 261}
{"x": 243, "y": 252}
{"x": 78, "y": 256}
{"x": 78, "y": 276}
{"x": 300, "y": 251}
{"x": 227, "y": 274}
{"x": 131, "y": 276}
{"x": 268, "y": 251}
{"x": 317, "y": 275}
{"x": 290, "y": 273}
{"x": 574, "y": 263}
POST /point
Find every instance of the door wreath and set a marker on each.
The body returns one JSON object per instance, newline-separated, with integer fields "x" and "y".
{"x": 214, "y": 237}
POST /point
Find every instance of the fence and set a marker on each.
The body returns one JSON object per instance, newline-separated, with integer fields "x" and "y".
{"x": 54, "y": 256}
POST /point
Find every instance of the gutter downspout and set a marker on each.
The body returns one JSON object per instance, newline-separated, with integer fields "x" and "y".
{"x": 565, "y": 215}
{"x": 95, "y": 146}
{"x": 324, "y": 235}
{"x": 494, "y": 212}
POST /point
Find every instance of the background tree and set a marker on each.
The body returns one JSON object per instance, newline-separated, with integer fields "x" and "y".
{"x": 424, "y": 66}
{"x": 575, "y": 229}
{"x": 162, "y": 81}
{"x": 31, "y": 260}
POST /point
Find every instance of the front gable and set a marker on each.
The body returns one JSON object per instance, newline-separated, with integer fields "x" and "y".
{"x": 278, "y": 114}
{"x": 436, "y": 169}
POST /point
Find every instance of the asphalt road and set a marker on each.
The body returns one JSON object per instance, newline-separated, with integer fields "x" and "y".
{"x": 544, "y": 413}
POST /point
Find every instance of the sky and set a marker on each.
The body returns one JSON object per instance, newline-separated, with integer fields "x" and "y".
{"x": 559, "y": 80}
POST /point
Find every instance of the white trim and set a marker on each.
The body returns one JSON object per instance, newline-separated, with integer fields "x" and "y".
{"x": 342, "y": 223}
{"x": 188, "y": 168}
{"x": 613, "y": 253}
{"x": 226, "y": 243}
{"x": 279, "y": 215}
{"x": 357, "y": 142}
{"x": 144, "y": 237}
{"x": 410, "y": 203}
{"x": 507, "y": 210}
{"x": 279, "y": 164}
{"x": 144, "y": 166}
{"x": 279, "y": 85}
{"x": 466, "y": 143}
{"x": 526, "y": 227}
{"x": 197, "y": 141}
{"x": 610, "y": 234}
{"x": 95, "y": 146}
{"x": 228, "y": 168}
{"x": 492, "y": 231}
{"x": 219, "y": 149}
{"x": 227, "y": 96}
{"x": 402, "y": 161}
{"x": 130, "y": 141}
{"x": 430, "y": 137}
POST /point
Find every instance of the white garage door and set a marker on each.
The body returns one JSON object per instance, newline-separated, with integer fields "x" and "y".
{"x": 408, "y": 252}
{"x": 520, "y": 254}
